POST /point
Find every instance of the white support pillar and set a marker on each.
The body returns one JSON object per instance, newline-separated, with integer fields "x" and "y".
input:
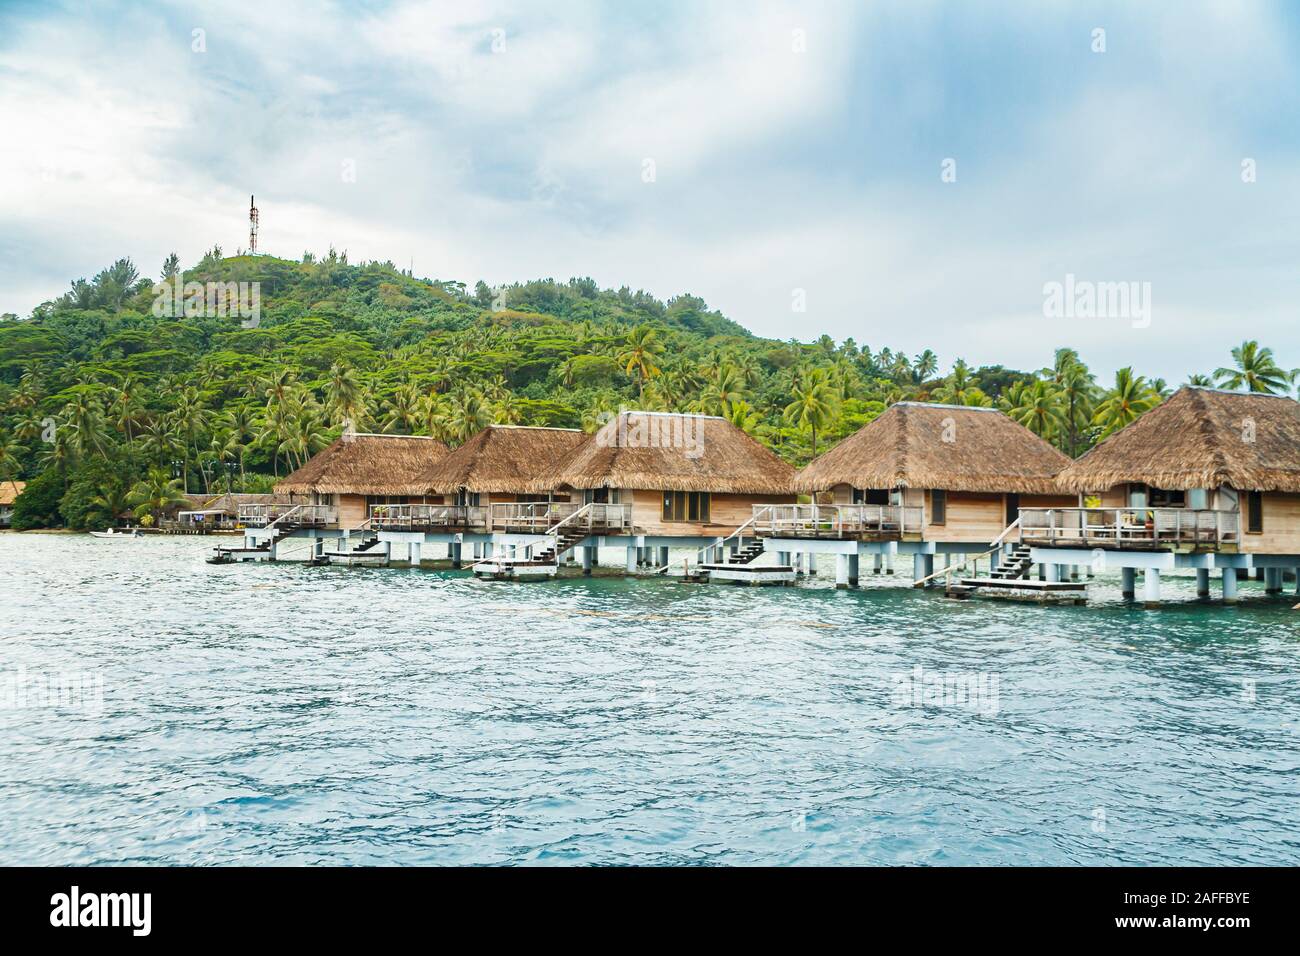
{"x": 1230, "y": 585}
{"x": 318, "y": 547}
{"x": 841, "y": 570}
{"x": 413, "y": 554}
{"x": 1151, "y": 587}
{"x": 1272, "y": 580}
{"x": 1202, "y": 582}
{"x": 810, "y": 563}
{"x": 877, "y": 562}
{"x": 1053, "y": 574}
{"x": 454, "y": 549}
{"x": 918, "y": 567}
{"x": 889, "y": 563}
{"x": 588, "y": 558}
{"x": 663, "y": 556}
{"x": 387, "y": 548}
{"x": 1128, "y": 582}
{"x": 783, "y": 558}
{"x": 853, "y": 570}
{"x": 631, "y": 559}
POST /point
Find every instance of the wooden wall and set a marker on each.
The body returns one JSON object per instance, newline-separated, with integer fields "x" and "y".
{"x": 726, "y": 513}
{"x": 1281, "y": 534}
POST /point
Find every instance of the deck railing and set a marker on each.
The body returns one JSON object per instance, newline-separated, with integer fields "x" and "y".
{"x": 534, "y": 516}
{"x": 836, "y": 521}
{"x": 307, "y": 516}
{"x": 428, "y": 517}
{"x": 598, "y": 516}
{"x": 1138, "y": 527}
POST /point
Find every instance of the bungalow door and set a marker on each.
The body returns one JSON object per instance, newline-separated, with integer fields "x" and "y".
{"x": 1013, "y": 508}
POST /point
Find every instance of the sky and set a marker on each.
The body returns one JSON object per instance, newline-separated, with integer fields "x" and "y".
{"x": 909, "y": 174}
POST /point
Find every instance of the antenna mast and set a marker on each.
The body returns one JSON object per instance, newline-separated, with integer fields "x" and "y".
{"x": 252, "y": 227}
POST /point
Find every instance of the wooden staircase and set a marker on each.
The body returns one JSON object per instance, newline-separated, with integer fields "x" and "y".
{"x": 564, "y": 540}
{"x": 1014, "y": 565}
{"x": 746, "y": 555}
{"x": 741, "y": 566}
{"x": 545, "y": 563}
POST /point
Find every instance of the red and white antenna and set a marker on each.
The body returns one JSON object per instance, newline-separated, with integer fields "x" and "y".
{"x": 252, "y": 227}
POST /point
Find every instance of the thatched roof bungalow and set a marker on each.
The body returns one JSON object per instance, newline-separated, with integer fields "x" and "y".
{"x": 503, "y": 462}
{"x": 498, "y": 477}
{"x": 681, "y": 475}
{"x": 958, "y": 473}
{"x": 360, "y": 470}
{"x": 1206, "y": 449}
{"x": 9, "y": 492}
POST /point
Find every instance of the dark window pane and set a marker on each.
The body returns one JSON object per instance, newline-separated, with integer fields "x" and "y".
{"x": 938, "y": 507}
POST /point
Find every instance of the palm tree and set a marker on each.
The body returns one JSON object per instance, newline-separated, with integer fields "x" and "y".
{"x": 639, "y": 355}
{"x": 112, "y": 501}
{"x": 743, "y": 416}
{"x": 156, "y": 493}
{"x": 1123, "y": 404}
{"x": 961, "y": 388}
{"x": 1037, "y": 405}
{"x": 86, "y": 418}
{"x": 815, "y": 403}
{"x": 725, "y": 389}
{"x": 1078, "y": 390}
{"x": 1197, "y": 380}
{"x": 344, "y": 396}
{"x": 1255, "y": 370}
{"x": 126, "y": 408}
{"x": 470, "y": 413}
{"x": 9, "y": 464}
{"x": 402, "y": 412}
{"x": 190, "y": 417}
{"x": 433, "y": 412}
{"x": 926, "y": 364}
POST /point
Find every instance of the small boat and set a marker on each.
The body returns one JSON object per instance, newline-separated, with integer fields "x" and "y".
{"x": 117, "y": 533}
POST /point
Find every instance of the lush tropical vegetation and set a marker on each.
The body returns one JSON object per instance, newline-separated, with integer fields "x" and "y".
{"x": 108, "y": 408}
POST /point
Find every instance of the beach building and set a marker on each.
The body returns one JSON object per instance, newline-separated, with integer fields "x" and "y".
{"x": 923, "y": 480}
{"x": 1208, "y": 480}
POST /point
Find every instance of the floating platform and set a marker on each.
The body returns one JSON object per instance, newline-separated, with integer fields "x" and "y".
{"x": 225, "y": 555}
{"x": 1021, "y": 589}
{"x": 351, "y": 558}
{"x": 767, "y": 574}
{"x": 509, "y": 569}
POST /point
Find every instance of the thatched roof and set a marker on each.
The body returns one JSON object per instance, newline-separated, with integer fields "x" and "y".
{"x": 1200, "y": 438}
{"x": 9, "y": 490}
{"x": 953, "y": 447}
{"x": 503, "y": 458}
{"x": 230, "y": 502}
{"x": 664, "y": 451}
{"x": 366, "y": 465}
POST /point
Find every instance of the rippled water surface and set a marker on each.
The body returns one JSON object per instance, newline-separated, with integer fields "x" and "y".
{"x": 285, "y": 714}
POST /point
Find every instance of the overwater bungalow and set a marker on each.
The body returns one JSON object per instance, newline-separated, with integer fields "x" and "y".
{"x": 1208, "y": 480}
{"x": 332, "y": 494}
{"x": 497, "y": 481}
{"x": 921, "y": 479}
{"x": 655, "y": 480}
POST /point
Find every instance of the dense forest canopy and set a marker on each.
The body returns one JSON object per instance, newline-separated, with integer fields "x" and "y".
{"x": 111, "y": 404}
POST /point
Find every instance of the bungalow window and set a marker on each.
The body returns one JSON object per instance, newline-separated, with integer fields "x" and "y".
{"x": 871, "y": 496}
{"x": 686, "y": 506}
{"x": 938, "y": 507}
{"x": 1255, "y": 512}
{"x": 1160, "y": 498}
